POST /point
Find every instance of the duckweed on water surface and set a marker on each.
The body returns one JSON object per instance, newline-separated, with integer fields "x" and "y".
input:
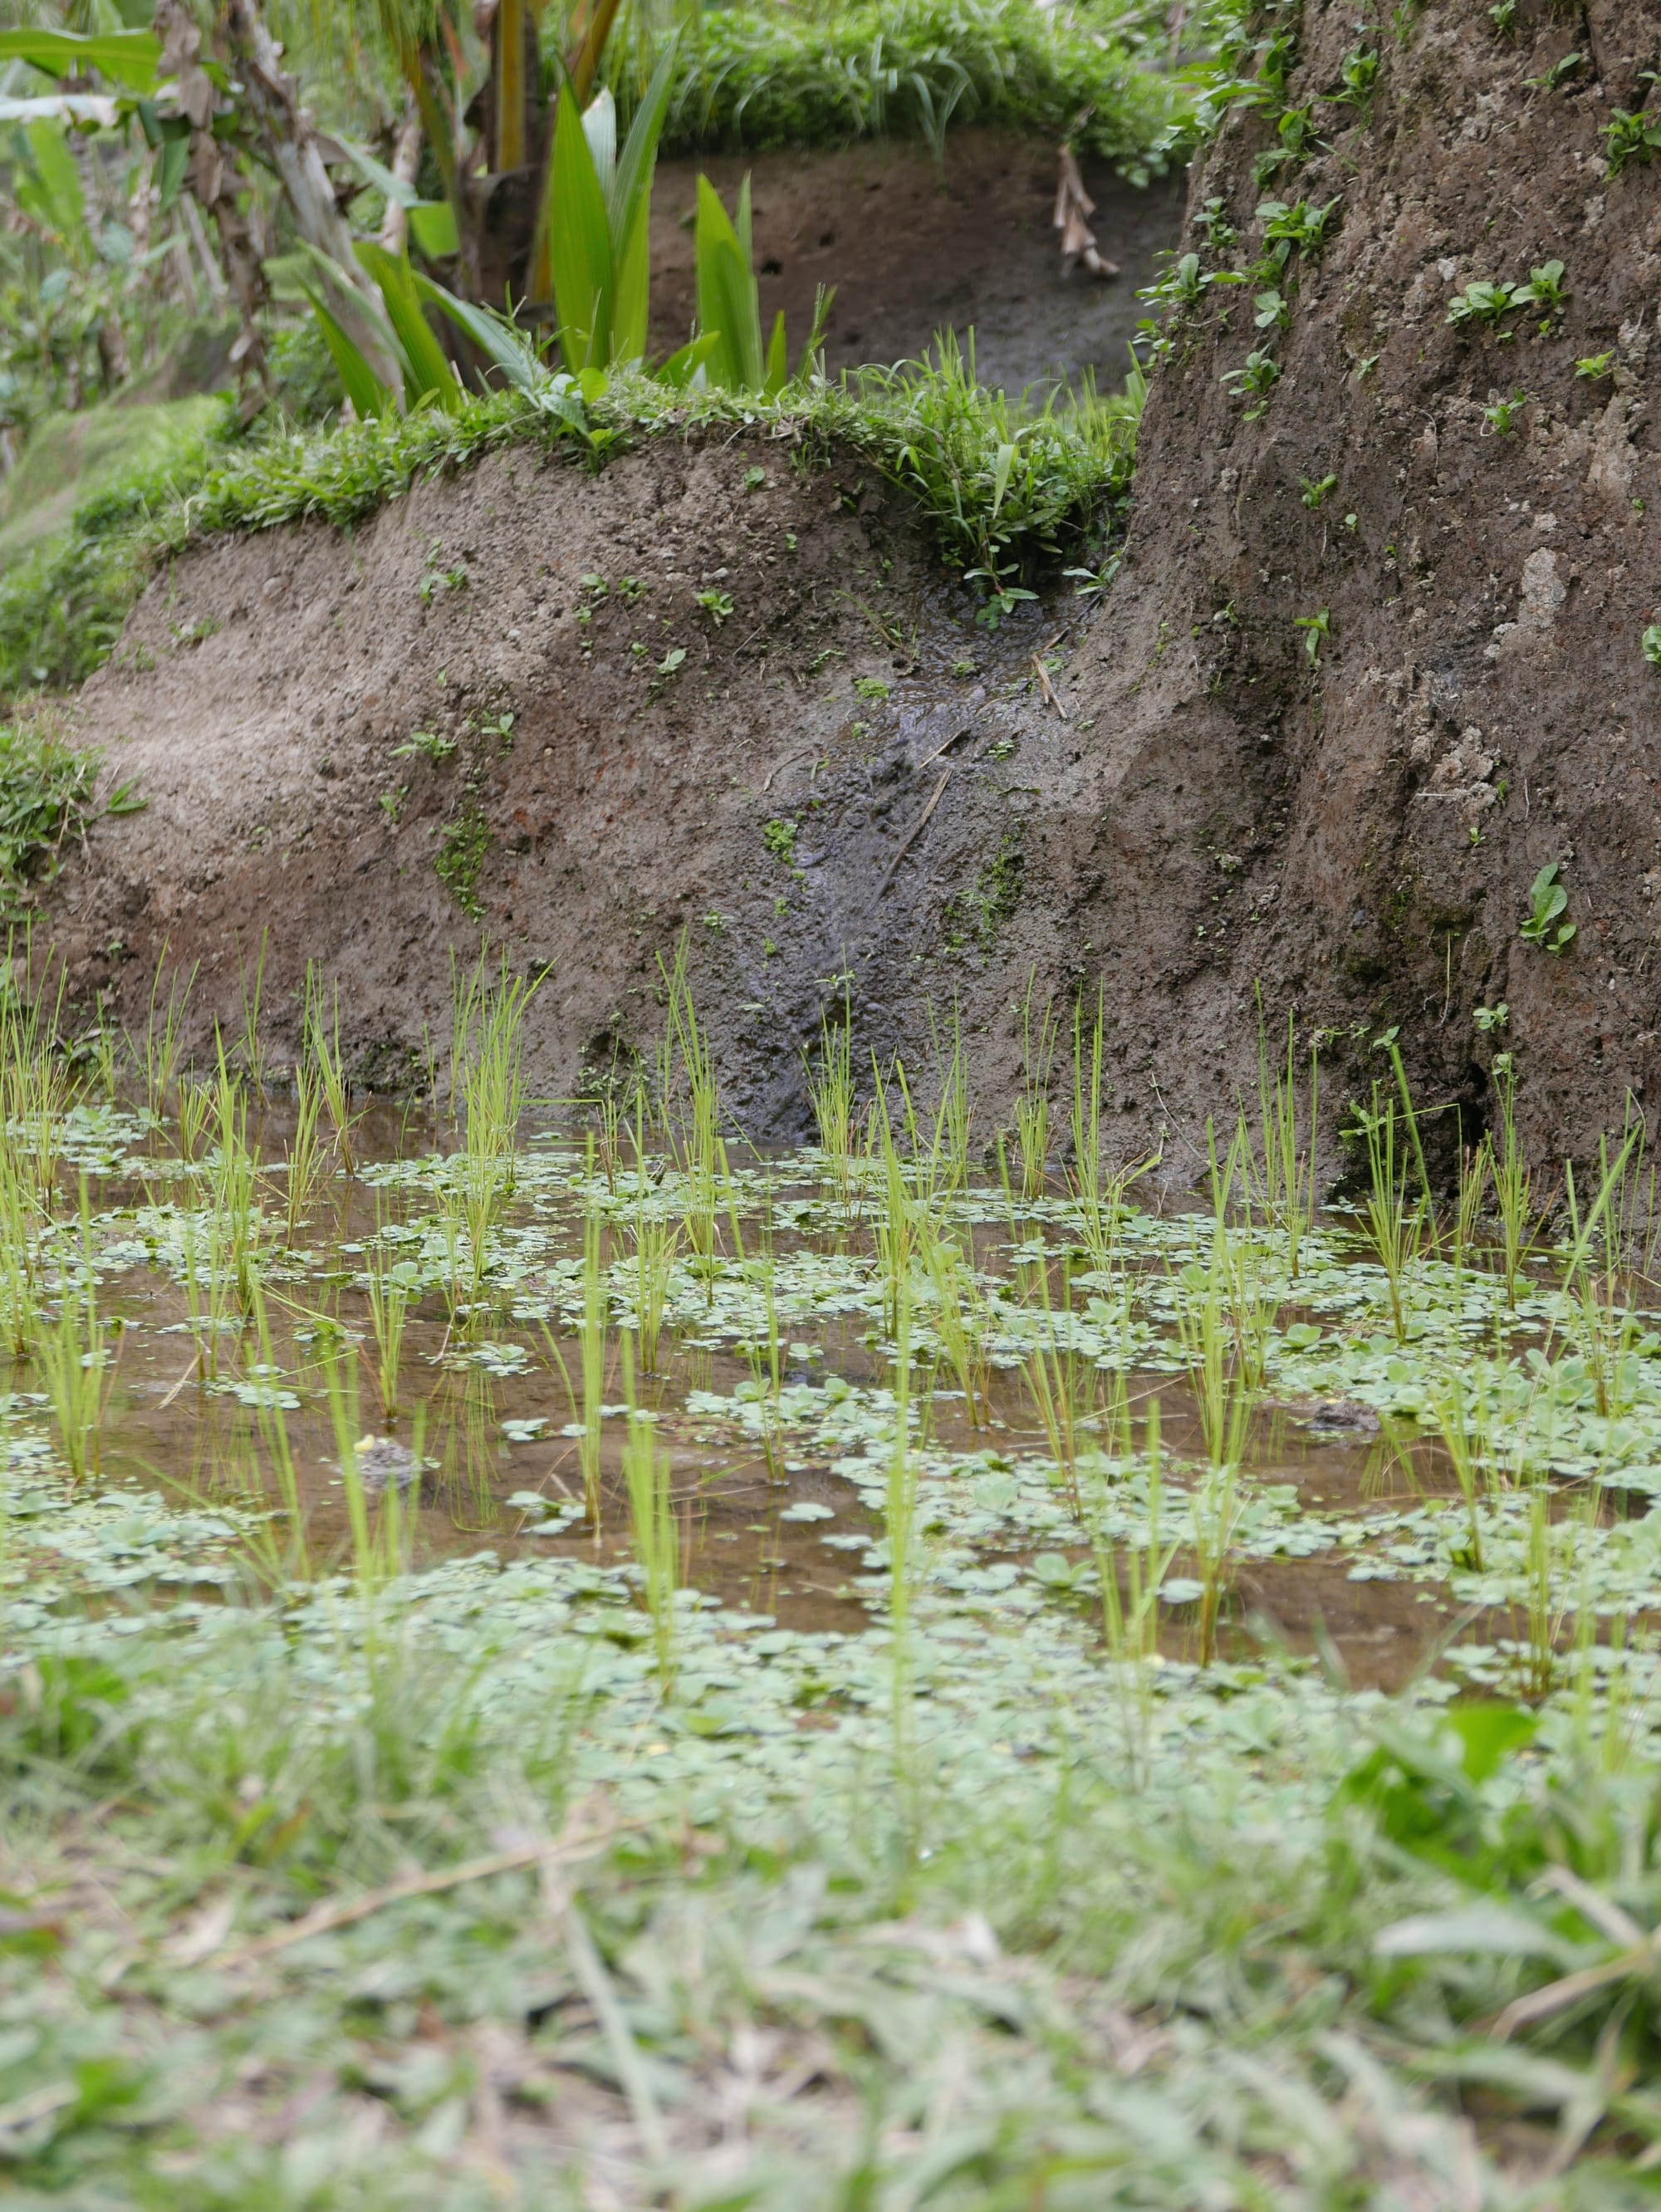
{"x": 883, "y": 1691}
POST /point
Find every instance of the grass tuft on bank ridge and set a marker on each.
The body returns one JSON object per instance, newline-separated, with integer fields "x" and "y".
{"x": 761, "y": 77}
{"x": 1009, "y": 491}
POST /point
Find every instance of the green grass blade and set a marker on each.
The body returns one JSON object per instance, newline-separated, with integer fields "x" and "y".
{"x": 128, "y": 57}
{"x": 492, "y": 333}
{"x": 631, "y": 182}
{"x": 433, "y": 226}
{"x": 425, "y": 372}
{"x": 368, "y": 395}
{"x": 600, "y": 129}
{"x": 683, "y": 365}
{"x": 579, "y": 243}
{"x": 777, "y": 374}
{"x": 808, "y": 363}
{"x": 726, "y": 294}
{"x": 629, "y": 313}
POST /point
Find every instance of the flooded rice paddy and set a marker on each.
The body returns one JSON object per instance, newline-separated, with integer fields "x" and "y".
{"x": 979, "y": 1631}
{"x": 1194, "y": 1441}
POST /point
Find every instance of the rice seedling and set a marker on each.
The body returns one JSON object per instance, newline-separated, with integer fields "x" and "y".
{"x": 1236, "y": 1262}
{"x": 18, "y": 1260}
{"x": 163, "y": 1052}
{"x": 388, "y": 1300}
{"x": 1468, "y": 1205}
{"x": 947, "y": 1162}
{"x": 647, "y": 1475}
{"x": 657, "y": 1243}
{"x": 1545, "y": 1615}
{"x": 592, "y": 1340}
{"x": 305, "y": 1163}
{"x": 321, "y": 1033}
{"x": 97, "y": 1054}
{"x": 895, "y": 1221}
{"x": 491, "y": 1041}
{"x": 1415, "y": 1144}
{"x": 1225, "y": 1395}
{"x": 1060, "y": 1384}
{"x": 35, "y": 1098}
{"x": 1033, "y": 1105}
{"x": 71, "y": 1353}
{"x": 1460, "y": 1405}
{"x": 1605, "y": 1328}
{"x": 251, "y": 990}
{"x": 1398, "y": 1229}
{"x": 1133, "y": 1576}
{"x": 195, "y": 1105}
{"x": 609, "y": 1138}
{"x": 378, "y": 1548}
{"x": 763, "y": 1349}
{"x": 208, "y": 1283}
{"x": 900, "y": 1530}
{"x": 691, "y": 1105}
{"x": 234, "y": 1184}
{"x": 273, "y": 1422}
{"x": 1513, "y": 1184}
{"x": 1097, "y": 1203}
{"x": 955, "y": 1311}
{"x": 830, "y": 1091}
{"x": 1285, "y": 1180}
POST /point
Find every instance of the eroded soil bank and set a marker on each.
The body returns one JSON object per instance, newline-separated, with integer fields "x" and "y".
{"x": 1371, "y": 661}
{"x": 574, "y": 715}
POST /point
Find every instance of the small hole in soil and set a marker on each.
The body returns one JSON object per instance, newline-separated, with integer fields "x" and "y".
{"x": 772, "y": 268}
{"x": 827, "y": 238}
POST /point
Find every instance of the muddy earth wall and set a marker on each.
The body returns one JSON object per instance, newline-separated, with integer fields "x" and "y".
{"x": 1319, "y": 738}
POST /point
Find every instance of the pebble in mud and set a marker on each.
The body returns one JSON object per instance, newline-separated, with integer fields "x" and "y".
{"x": 1340, "y": 1417}
{"x": 385, "y": 1464}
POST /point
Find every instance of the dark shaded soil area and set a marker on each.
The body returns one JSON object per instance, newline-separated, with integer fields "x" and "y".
{"x": 912, "y": 248}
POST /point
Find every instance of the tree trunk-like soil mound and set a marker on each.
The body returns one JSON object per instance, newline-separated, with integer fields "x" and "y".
{"x": 1372, "y": 660}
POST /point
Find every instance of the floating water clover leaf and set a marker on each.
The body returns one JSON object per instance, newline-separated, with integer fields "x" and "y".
{"x": 525, "y": 1432}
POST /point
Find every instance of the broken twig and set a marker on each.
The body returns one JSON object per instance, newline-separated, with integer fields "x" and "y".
{"x": 914, "y": 832}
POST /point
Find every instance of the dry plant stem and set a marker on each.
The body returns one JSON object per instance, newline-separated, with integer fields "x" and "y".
{"x": 324, "y": 1919}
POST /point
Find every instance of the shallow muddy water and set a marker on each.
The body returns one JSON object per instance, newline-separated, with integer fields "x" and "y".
{"x": 1332, "y": 1529}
